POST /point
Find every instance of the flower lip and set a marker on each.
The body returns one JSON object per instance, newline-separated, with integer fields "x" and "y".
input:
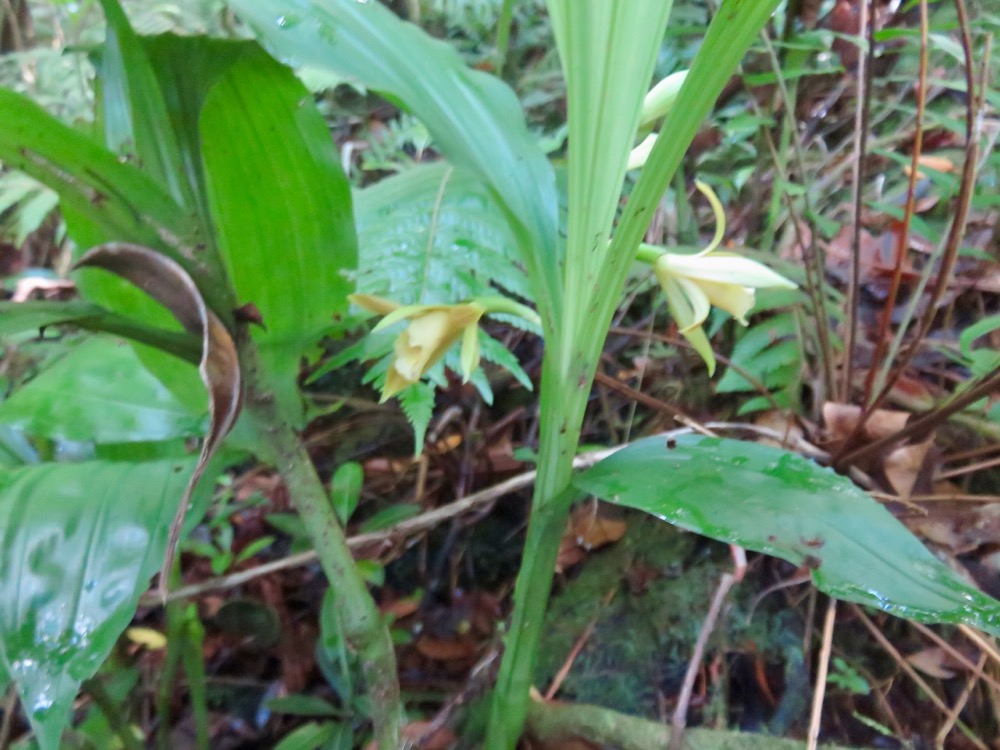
{"x": 694, "y": 283}
{"x": 431, "y": 332}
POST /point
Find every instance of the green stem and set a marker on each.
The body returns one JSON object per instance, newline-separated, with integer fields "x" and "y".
{"x": 556, "y": 723}
{"x": 503, "y": 35}
{"x": 364, "y": 629}
{"x": 113, "y": 712}
{"x": 171, "y": 662}
{"x": 561, "y": 411}
{"x": 193, "y": 657}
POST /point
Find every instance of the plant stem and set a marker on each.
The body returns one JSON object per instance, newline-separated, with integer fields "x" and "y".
{"x": 113, "y": 713}
{"x": 503, "y": 35}
{"x": 562, "y": 415}
{"x": 364, "y": 629}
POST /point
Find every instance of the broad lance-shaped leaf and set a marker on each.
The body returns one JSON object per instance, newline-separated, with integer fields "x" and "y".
{"x": 475, "y": 119}
{"x": 169, "y": 284}
{"x": 281, "y": 208}
{"x": 782, "y": 504}
{"x": 91, "y": 181}
{"x": 78, "y": 545}
{"x": 135, "y": 118}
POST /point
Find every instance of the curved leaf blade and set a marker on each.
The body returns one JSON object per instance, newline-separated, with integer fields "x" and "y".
{"x": 134, "y": 115}
{"x": 475, "y": 118}
{"x": 168, "y": 283}
{"x": 78, "y": 544}
{"x": 782, "y": 504}
{"x": 18, "y": 317}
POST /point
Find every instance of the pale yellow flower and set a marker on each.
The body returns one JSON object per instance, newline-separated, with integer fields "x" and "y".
{"x": 432, "y": 331}
{"x": 693, "y": 283}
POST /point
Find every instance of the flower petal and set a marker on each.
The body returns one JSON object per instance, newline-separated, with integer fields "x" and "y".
{"x": 401, "y": 313}
{"x": 371, "y": 303}
{"x": 734, "y": 299}
{"x": 637, "y": 157}
{"x": 394, "y": 382}
{"x": 700, "y": 306}
{"x": 724, "y": 268}
{"x": 699, "y": 342}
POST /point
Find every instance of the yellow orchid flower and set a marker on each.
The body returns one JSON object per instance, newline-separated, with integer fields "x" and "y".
{"x": 693, "y": 283}
{"x": 432, "y": 331}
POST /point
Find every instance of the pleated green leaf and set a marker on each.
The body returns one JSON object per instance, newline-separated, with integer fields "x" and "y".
{"x": 434, "y": 234}
{"x": 281, "y": 207}
{"x": 474, "y": 118}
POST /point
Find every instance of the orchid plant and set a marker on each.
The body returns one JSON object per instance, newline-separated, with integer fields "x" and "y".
{"x": 608, "y": 50}
{"x": 198, "y": 191}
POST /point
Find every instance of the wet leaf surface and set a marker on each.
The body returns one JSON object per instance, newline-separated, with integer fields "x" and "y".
{"x": 779, "y": 503}
{"x": 65, "y": 597}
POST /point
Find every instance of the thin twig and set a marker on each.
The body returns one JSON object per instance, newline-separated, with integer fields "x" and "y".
{"x": 912, "y": 673}
{"x": 675, "y": 341}
{"x": 402, "y": 530}
{"x": 433, "y": 518}
{"x": 986, "y": 644}
{"x": 679, "y": 721}
{"x": 819, "y": 690}
{"x": 574, "y": 652}
{"x": 955, "y": 654}
{"x": 949, "y": 253}
{"x": 952, "y": 717}
{"x": 812, "y": 254}
{"x": 903, "y": 241}
{"x": 862, "y": 112}
{"x": 924, "y": 424}
{"x": 968, "y": 469}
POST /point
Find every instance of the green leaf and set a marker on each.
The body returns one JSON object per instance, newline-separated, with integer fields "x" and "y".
{"x": 281, "y": 206}
{"x": 474, "y": 118}
{"x": 417, "y": 403}
{"x": 303, "y": 705}
{"x": 608, "y": 52}
{"x": 782, "y": 504}
{"x": 100, "y": 392}
{"x": 116, "y": 197}
{"x": 24, "y": 205}
{"x": 134, "y": 115}
{"x": 17, "y": 317}
{"x": 769, "y": 351}
{"x": 314, "y": 735}
{"x": 79, "y": 545}
{"x": 434, "y": 235}
{"x": 345, "y": 489}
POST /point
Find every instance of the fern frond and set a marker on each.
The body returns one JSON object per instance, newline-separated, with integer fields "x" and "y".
{"x": 434, "y": 235}
{"x": 417, "y": 403}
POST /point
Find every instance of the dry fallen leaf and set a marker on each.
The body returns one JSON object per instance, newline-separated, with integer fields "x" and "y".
{"x": 589, "y": 528}
{"x": 935, "y": 662}
{"x": 842, "y": 419}
{"x": 907, "y": 464}
{"x": 164, "y": 280}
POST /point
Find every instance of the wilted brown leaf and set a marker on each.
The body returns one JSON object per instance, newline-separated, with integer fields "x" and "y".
{"x": 170, "y": 285}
